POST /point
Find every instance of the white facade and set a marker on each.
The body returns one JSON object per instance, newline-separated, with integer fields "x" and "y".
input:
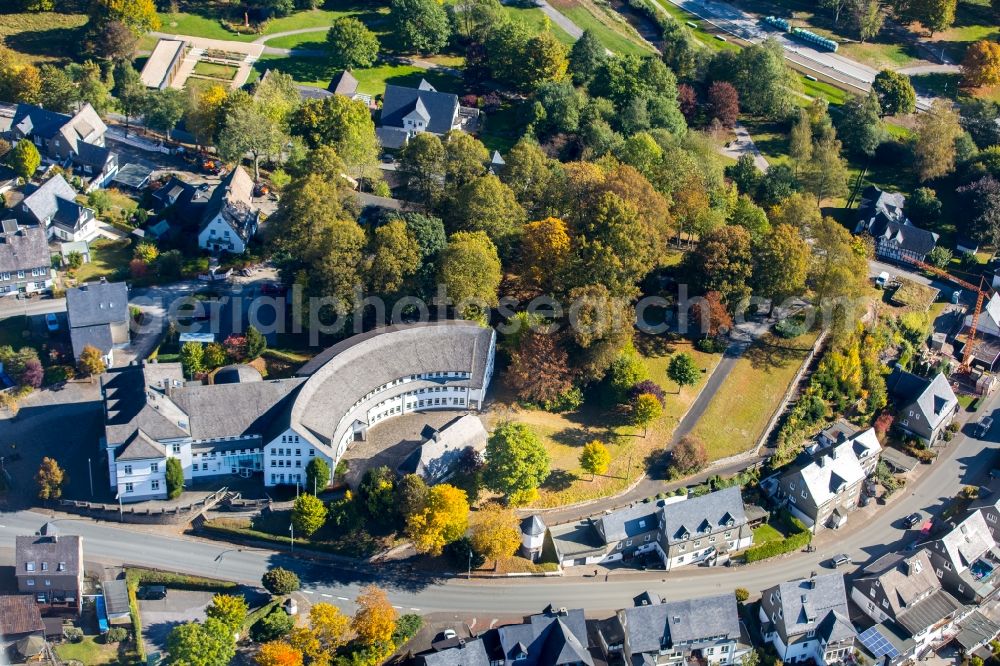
{"x": 219, "y": 235}
{"x": 286, "y": 458}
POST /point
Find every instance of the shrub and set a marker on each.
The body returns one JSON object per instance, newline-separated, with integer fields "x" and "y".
{"x": 742, "y": 594}
{"x": 710, "y": 345}
{"x": 652, "y": 388}
{"x": 407, "y": 627}
{"x": 280, "y": 581}
{"x": 566, "y": 401}
{"x": 272, "y": 626}
{"x": 116, "y": 635}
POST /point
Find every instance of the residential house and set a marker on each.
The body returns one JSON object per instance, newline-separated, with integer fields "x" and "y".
{"x": 704, "y": 631}
{"x": 988, "y": 504}
{"x": 53, "y": 207}
{"x": 441, "y": 450}
{"x": 704, "y": 529}
{"x": 273, "y": 429}
{"x": 836, "y": 432}
{"x": 75, "y": 141}
{"x": 554, "y": 637}
{"x": 925, "y": 407}
{"x": 98, "y": 316}
{"x": 986, "y": 345}
{"x": 896, "y": 238}
{"x": 25, "y": 263}
{"x": 807, "y": 620}
{"x": 825, "y": 486}
{"x": 49, "y": 566}
{"x": 903, "y": 595}
{"x": 456, "y": 652}
{"x": 133, "y": 176}
{"x": 20, "y": 619}
{"x": 174, "y": 192}
{"x": 230, "y": 219}
{"x": 410, "y": 111}
{"x": 630, "y": 531}
{"x": 966, "y": 558}
{"x": 163, "y": 63}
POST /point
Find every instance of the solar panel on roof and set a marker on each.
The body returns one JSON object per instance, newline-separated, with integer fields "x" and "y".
{"x": 877, "y": 644}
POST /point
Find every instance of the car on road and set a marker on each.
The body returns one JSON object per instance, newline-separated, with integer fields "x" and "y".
{"x": 151, "y": 592}
{"x": 52, "y": 322}
{"x": 912, "y": 520}
{"x": 841, "y": 560}
{"x": 984, "y": 426}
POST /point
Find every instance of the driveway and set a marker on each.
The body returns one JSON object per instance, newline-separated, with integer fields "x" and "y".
{"x": 743, "y": 145}
{"x": 161, "y": 616}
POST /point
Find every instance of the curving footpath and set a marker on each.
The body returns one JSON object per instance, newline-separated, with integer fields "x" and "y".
{"x": 965, "y": 462}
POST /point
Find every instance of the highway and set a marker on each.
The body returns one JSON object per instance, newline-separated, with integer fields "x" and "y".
{"x": 966, "y": 461}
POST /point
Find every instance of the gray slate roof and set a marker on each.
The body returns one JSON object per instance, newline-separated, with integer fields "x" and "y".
{"x": 934, "y": 397}
{"x": 550, "y": 638}
{"x": 44, "y": 202}
{"x": 533, "y": 526}
{"x": 49, "y": 550}
{"x": 98, "y": 336}
{"x": 229, "y": 410}
{"x": 399, "y": 101}
{"x": 237, "y": 374}
{"x": 707, "y": 513}
{"x": 343, "y": 83}
{"x": 672, "y": 622}
{"x": 31, "y": 120}
{"x": 26, "y": 248}
{"x": 97, "y": 303}
{"x": 628, "y": 522}
{"x": 813, "y": 604}
{"x": 472, "y": 653}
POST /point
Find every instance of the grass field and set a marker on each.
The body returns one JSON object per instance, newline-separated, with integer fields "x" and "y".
{"x": 738, "y": 414}
{"x": 215, "y": 71}
{"x": 611, "y": 29}
{"x": 106, "y": 258}
{"x": 88, "y": 651}
{"x": 318, "y": 72}
{"x": 766, "y": 533}
{"x": 207, "y": 23}
{"x": 565, "y": 434}
{"x": 42, "y": 37}
{"x": 537, "y": 22}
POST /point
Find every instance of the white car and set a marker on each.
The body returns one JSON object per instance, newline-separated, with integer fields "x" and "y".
{"x": 52, "y": 322}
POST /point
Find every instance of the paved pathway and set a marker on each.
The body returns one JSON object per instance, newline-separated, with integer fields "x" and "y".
{"x": 560, "y": 19}
{"x": 742, "y": 145}
{"x": 251, "y": 52}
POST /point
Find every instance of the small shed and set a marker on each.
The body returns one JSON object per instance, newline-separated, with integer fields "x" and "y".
{"x": 966, "y": 245}
{"x": 65, "y": 249}
{"x": 898, "y": 460}
{"x": 133, "y": 176}
{"x": 116, "y": 601}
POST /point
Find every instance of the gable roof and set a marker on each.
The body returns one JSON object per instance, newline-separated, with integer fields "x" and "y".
{"x": 551, "y": 638}
{"x": 31, "y": 120}
{"x": 230, "y": 410}
{"x": 906, "y": 237}
{"x": 628, "y": 521}
{"x": 50, "y": 550}
{"x": 836, "y": 467}
{"x": 713, "y": 511}
{"x": 98, "y": 336}
{"x": 650, "y": 627}
{"x": 97, "y": 303}
{"x": 19, "y": 614}
{"x": 966, "y": 541}
{"x": 816, "y": 604}
{"x": 878, "y": 206}
{"x": 43, "y": 202}
{"x": 135, "y": 399}
{"x": 429, "y": 459}
{"x": 471, "y": 652}
{"x": 343, "y": 83}
{"x": 156, "y": 72}
{"x": 399, "y": 101}
{"x": 84, "y": 127}
{"x": 906, "y": 580}
{"x": 232, "y": 199}
{"x": 93, "y": 155}
{"x": 934, "y": 397}
{"x": 27, "y": 247}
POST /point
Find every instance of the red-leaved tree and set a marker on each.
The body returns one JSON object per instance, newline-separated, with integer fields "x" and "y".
{"x": 723, "y": 103}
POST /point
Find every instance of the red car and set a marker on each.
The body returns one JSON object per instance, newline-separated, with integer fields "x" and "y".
{"x": 273, "y": 289}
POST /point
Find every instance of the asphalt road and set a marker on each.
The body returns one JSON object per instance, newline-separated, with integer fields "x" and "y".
{"x": 966, "y": 462}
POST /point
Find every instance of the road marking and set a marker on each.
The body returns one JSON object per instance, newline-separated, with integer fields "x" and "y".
{"x": 415, "y": 609}
{"x": 400, "y": 607}
{"x": 343, "y": 598}
{"x": 324, "y": 594}
{"x": 308, "y": 592}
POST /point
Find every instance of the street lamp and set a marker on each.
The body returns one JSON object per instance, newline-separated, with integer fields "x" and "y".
{"x": 470, "y": 564}
{"x": 291, "y": 528}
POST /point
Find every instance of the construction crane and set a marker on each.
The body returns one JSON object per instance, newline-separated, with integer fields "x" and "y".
{"x": 981, "y": 295}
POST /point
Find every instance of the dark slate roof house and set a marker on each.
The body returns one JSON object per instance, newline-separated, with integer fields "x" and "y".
{"x": 554, "y": 637}
{"x": 927, "y": 406}
{"x": 808, "y": 618}
{"x": 343, "y": 83}
{"x": 881, "y": 215}
{"x": 98, "y": 316}
{"x": 25, "y": 262}
{"x": 52, "y": 206}
{"x": 466, "y": 652}
{"x": 409, "y": 111}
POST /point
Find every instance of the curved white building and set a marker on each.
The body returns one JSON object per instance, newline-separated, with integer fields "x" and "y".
{"x": 277, "y": 426}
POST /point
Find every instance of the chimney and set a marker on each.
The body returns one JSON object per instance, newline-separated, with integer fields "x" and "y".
{"x": 821, "y": 461}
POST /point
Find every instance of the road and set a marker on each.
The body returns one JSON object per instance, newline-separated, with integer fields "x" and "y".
{"x": 965, "y": 462}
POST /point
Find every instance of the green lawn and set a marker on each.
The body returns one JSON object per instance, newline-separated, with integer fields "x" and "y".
{"x": 738, "y": 414}
{"x": 766, "y": 533}
{"x": 701, "y": 34}
{"x": 502, "y": 129}
{"x": 215, "y": 71}
{"x": 537, "y": 22}
{"x": 44, "y": 36}
{"x": 303, "y": 40}
{"x": 207, "y": 24}
{"x": 196, "y": 83}
{"x": 107, "y": 257}
{"x": 618, "y": 37}
{"x": 835, "y": 96}
{"x": 373, "y": 79}
{"x": 305, "y": 70}
{"x": 88, "y": 651}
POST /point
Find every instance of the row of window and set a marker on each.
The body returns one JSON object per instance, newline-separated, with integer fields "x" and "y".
{"x": 426, "y": 375}
{"x": 12, "y": 288}
{"x": 285, "y": 463}
{"x": 30, "y": 566}
{"x": 153, "y": 468}
{"x": 153, "y": 485}
{"x": 289, "y": 439}
{"x": 35, "y": 272}
{"x": 288, "y": 452}
{"x": 280, "y": 478}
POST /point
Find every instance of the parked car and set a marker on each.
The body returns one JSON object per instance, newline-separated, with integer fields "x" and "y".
{"x": 52, "y": 322}
{"x": 151, "y": 592}
{"x": 841, "y": 560}
{"x": 912, "y": 520}
{"x": 449, "y": 633}
{"x": 984, "y": 426}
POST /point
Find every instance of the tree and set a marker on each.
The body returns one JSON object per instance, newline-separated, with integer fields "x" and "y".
{"x": 646, "y": 408}
{"x": 175, "y": 478}
{"x": 473, "y": 19}
{"x": 396, "y": 256}
{"x": 59, "y": 90}
{"x": 329, "y": 627}
{"x": 895, "y": 93}
{"x": 214, "y": 355}
{"x": 91, "y": 360}
{"x": 748, "y": 215}
{"x": 308, "y": 514}
{"x": 760, "y": 76}
{"x": 465, "y": 158}
{"x": 528, "y": 173}
{"x": 683, "y": 370}
{"x": 980, "y": 201}
{"x": 934, "y": 149}
{"x": 710, "y": 316}
{"x": 205, "y": 112}
{"x": 981, "y": 65}
{"x": 744, "y": 174}
{"x": 278, "y": 653}
{"x": 420, "y": 24}
{"x": 192, "y": 358}
{"x": 138, "y": 15}
{"x": 443, "y": 518}
{"x": 411, "y": 493}
{"x": 471, "y": 273}
{"x": 625, "y": 372}
{"x": 91, "y": 86}
{"x": 421, "y": 163}
{"x": 586, "y": 57}
{"x": 781, "y": 263}
{"x": 49, "y": 478}
{"x": 839, "y": 271}
{"x": 723, "y": 262}
{"x": 248, "y": 130}
{"x": 115, "y": 42}
{"x": 689, "y": 455}
{"x": 377, "y": 493}
{"x": 280, "y": 581}
{"x": 723, "y": 103}
{"x": 595, "y": 457}
{"x": 24, "y": 160}
{"x": 487, "y": 205}
{"x": 935, "y": 15}
{"x": 230, "y": 609}
{"x": 351, "y": 44}
{"x": 317, "y": 475}
{"x": 130, "y": 91}
{"x": 375, "y": 619}
{"x": 496, "y": 531}
{"x": 516, "y": 462}
{"x": 826, "y": 173}
{"x": 869, "y": 16}
{"x": 32, "y": 374}
{"x": 860, "y": 125}
{"x": 940, "y": 256}
{"x": 209, "y": 643}
{"x": 800, "y": 143}
{"x": 923, "y": 207}
{"x": 545, "y": 251}
{"x": 742, "y": 594}
{"x": 539, "y": 368}
{"x": 341, "y": 123}
{"x": 163, "y": 109}
{"x": 277, "y": 96}
{"x": 256, "y": 342}
{"x": 545, "y": 59}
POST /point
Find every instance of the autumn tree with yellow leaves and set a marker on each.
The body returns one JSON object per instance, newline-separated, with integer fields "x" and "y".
{"x": 375, "y": 619}
{"x": 443, "y": 518}
{"x": 495, "y": 531}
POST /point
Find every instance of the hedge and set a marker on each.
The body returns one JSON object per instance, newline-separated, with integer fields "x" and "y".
{"x": 793, "y": 542}
{"x": 259, "y": 614}
{"x": 142, "y": 576}
{"x": 133, "y": 607}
